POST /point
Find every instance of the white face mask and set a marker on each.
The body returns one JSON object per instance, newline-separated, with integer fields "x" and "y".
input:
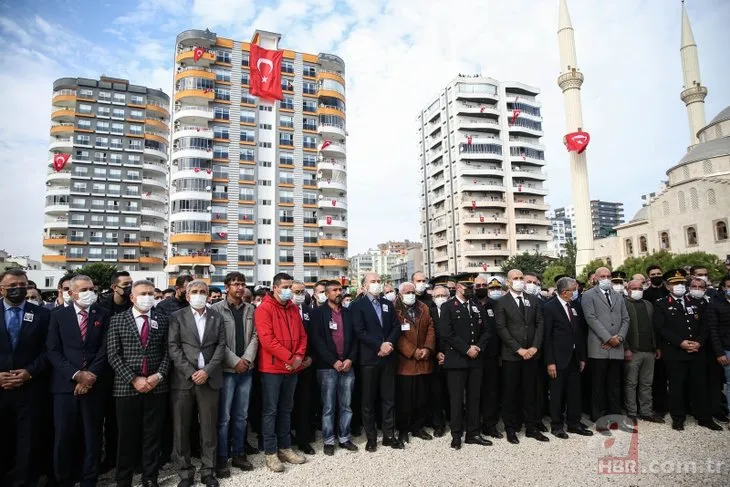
{"x": 532, "y": 288}
{"x": 34, "y": 301}
{"x": 421, "y": 287}
{"x": 321, "y": 298}
{"x": 390, "y": 296}
{"x": 517, "y": 286}
{"x": 198, "y": 301}
{"x": 144, "y": 303}
{"x": 86, "y": 299}
{"x": 299, "y": 299}
{"x": 439, "y": 301}
{"x": 375, "y": 288}
{"x": 604, "y": 284}
{"x": 636, "y": 295}
{"x": 66, "y": 297}
{"x": 678, "y": 290}
{"x": 409, "y": 299}
{"x": 158, "y": 301}
{"x": 697, "y": 293}
{"x": 495, "y": 294}
{"x": 346, "y": 304}
{"x": 618, "y": 288}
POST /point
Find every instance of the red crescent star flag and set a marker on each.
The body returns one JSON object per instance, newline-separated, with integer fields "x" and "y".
{"x": 265, "y": 73}
{"x": 473, "y": 204}
{"x": 481, "y": 219}
{"x": 198, "y": 53}
{"x": 326, "y": 144}
{"x": 329, "y": 220}
{"x": 334, "y": 202}
{"x": 515, "y": 113}
{"x": 468, "y": 139}
{"x": 60, "y": 160}
{"x": 577, "y": 141}
{"x": 484, "y": 267}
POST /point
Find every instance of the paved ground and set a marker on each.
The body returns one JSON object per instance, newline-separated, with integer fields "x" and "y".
{"x": 665, "y": 457}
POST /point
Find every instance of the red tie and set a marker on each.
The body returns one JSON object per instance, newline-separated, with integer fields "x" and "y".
{"x": 570, "y": 314}
{"x": 84, "y": 324}
{"x": 144, "y": 338}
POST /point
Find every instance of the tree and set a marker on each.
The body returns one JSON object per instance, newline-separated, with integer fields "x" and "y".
{"x": 667, "y": 260}
{"x": 526, "y": 262}
{"x": 591, "y": 267}
{"x": 99, "y": 272}
{"x": 567, "y": 261}
{"x": 551, "y": 272}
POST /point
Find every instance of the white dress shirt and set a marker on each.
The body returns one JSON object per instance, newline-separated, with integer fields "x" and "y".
{"x": 138, "y": 318}
{"x": 78, "y": 316}
{"x": 518, "y": 295}
{"x": 200, "y": 319}
{"x": 563, "y": 304}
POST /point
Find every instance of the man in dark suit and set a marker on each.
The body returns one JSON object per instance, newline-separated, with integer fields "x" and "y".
{"x": 23, "y": 331}
{"x": 377, "y": 329}
{"x": 682, "y": 334}
{"x": 334, "y": 344}
{"x": 464, "y": 333}
{"x": 305, "y": 394}
{"x": 659, "y": 390}
{"x": 63, "y": 298}
{"x": 76, "y": 347}
{"x": 520, "y": 326}
{"x": 490, "y": 357}
{"x": 439, "y": 388}
{"x": 137, "y": 351}
{"x": 197, "y": 346}
{"x": 565, "y": 356}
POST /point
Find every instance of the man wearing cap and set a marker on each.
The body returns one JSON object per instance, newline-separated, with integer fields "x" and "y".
{"x": 490, "y": 357}
{"x": 464, "y": 333}
{"x": 682, "y": 336}
{"x": 617, "y": 282}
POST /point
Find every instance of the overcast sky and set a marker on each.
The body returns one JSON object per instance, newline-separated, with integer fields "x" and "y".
{"x": 399, "y": 53}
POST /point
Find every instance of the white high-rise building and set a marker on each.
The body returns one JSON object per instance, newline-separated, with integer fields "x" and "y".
{"x": 483, "y": 187}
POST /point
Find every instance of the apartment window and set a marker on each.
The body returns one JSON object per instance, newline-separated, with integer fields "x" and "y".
{"x": 310, "y": 160}
{"x": 245, "y": 234}
{"x": 264, "y": 108}
{"x": 265, "y": 145}
{"x": 96, "y": 237}
{"x": 84, "y": 124}
{"x": 221, "y": 113}
{"x": 102, "y": 142}
{"x": 244, "y": 60}
{"x": 102, "y": 111}
{"x": 286, "y": 216}
{"x": 286, "y": 139}
{"x": 81, "y": 155}
{"x": 286, "y": 84}
{"x": 110, "y": 254}
{"x": 247, "y": 154}
{"x": 136, "y": 100}
{"x": 309, "y": 198}
{"x": 264, "y": 182}
{"x": 97, "y": 204}
{"x": 132, "y": 237}
{"x": 287, "y": 67}
{"x": 246, "y": 194}
{"x": 118, "y": 113}
{"x": 310, "y": 71}
{"x": 309, "y": 106}
{"x": 286, "y": 197}
{"x": 220, "y": 152}
{"x": 247, "y": 174}
{"x": 116, "y": 143}
{"x": 136, "y": 114}
{"x": 78, "y": 220}
{"x": 286, "y": 235}
{"x": 248, "y": 99}
{"x": 82, "y": 139}
{"x": 101, "y": 126}
{"x": 310, "y": 256}
{"x": 99, "y": 219}
{"x": 130, "y": 221}
{"x": 265, "y": 202}
{"x": 132, "y": 206}
{"x": 310, "y": 124}
{"x": 245, "y": 214}
{"x": 286, "y": 121}
{"x": 85, "y": 93}
{"x": 98, "y": 188}
{"x": 266, "y": 221}
{"x": 120, "y": 98}
{"x": 117, "y": 128}
{"x": 265, "y": 163}
{"x": 265, "y": 261}
{"x": 78, "y": 187}
{"x": 99, "y": 172}
{"x": 133, "y": 175}
{"x": 135, "y": 129}
{"x": 132, "y": 190}
{"x": 84, "y": 108}
{"x": 245, "y": 78}
{"x": 222, "y": 74}
{"x": 264, "y": 241}
{"x": 247, "y": 136}
{"x": 95, "y": 252}
{"x": 78, "y": 203}
{"x": 223, "y": 56}
{"x": 135, "y": 145}
{"x": 134, "y": 160}
{"x": 248, "y": 116}
{"x": 76, "y": 252}
{"x": 310, "y": 142}
{"x": 245, "y": 255}
{"x": 104, "y": 97}
{"x": 309, "y": 88}
{"x": 222, "y": 94}
{"x": 310, "y": 236}
{"x": 286, "y": 255}
{"x": 287, "y": 103}
{"x": 265, "y": 126}
{"x": 129, "y": 254}
{"x": 220, "y": 132}
{"x": 115, "y": 158}
{"x": 286, "y": 158}
{"x": 286, "y": 177}
{"x": 310, "y": 217}
{"x": 114, "y": 190}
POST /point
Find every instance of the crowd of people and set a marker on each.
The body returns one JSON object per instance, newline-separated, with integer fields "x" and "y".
{"x": 141, "y": 376}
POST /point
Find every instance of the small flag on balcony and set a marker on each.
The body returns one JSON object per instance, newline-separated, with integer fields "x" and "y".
{"x": 484, "y": 267}
{"x": 198, "y": 53}
{"x": 481, "y": 219}
{"x": 473, "y": 205}
{"x": 222, "y": 234}
{"x": 524, "y": 156}
{"x": 515, "y": 113}
{"x": 481, "y": 110}
{"x": 577, "y": 141}
{"x": 519, "y": 188}
{"x": 217, "y": 216}
{"x": 326, "y": 144}
{"x": 60, "y": 160}
{"x": 197, "y": 169}
{"x": 468, "y": 139}
{"x": 209, "y": 170}
{"x": 329, "y": 220}
{"x": 289, "y": 86}
{"x": 334, "y": 202}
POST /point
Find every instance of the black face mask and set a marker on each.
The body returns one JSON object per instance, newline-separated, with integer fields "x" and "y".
{"x": 482, "y": 292}
{"x": 126, "y": 291}
{"x": 452, "y": 292}
{"x": 657, "y": 281}
{"x": 15, "y": 295}
{"x": 468, "y": 293}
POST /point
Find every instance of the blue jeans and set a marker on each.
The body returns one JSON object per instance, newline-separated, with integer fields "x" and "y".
{"x": 336, "y": 387}
{"x": 233, "y": 407}
{"x": 727, "y": 378}
{"x": 278, "y": 401}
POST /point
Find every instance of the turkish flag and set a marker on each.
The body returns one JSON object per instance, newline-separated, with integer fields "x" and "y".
{"x": 59, "y": 161}
{"x": 468, "y": 139}
{"x": 334, "y": 202}
{"x": 329, "y": 220}
{"x": 198, "y": 53}
{"x": 197, "y": 169}
{"x": 577, "y": 141}
{"x": 265, "y": 73}
{"x": 473, "y": 205}
{"x": 481, "y": 219}
{"x": 484, "y": 266}
{"x": 326, "y": 144}
{"x": 515, "y": 114}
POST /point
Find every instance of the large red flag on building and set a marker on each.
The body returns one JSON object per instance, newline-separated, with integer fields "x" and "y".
{"x": 265, "y": 73}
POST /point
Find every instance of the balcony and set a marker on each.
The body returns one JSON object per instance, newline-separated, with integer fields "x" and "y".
{"x": 156, "y": 138}
{"x": 61, "y": 144}
{"x": 527, "y": 174}
{"x": 468, "y": 169}
{"x": 495, "y": 269}
{"x": 332, "y": 204}
{"x": 486, "y": 253}
{"x": 526, "y": 99}
{"x": 157, "y": 228}
{"x": 171, "y": 281}
{"x": 330, "y": 110}
{"x": 334, "y": 263}
{"x": 62, "y": 129}
{"x": 190, "y": 238}
{"x": 530, "y": 143}
{"x": 63, "y": 115}
{"x": 479, "y": 186}
{"x": 523, "y": 220}
{"x": 332, "y": 165}
{"x": 192, "y": 152}
{"x": 190, "y": 260}
{"x": 192, "y": 131}
{"x": 444, "y": 257}
{"x": 55, "y": 241}
{"x": 194, "y": 115}
{"x": 477, "y": 109}
{"x": 153, "y": 213}
{"x": 64, "y": 98}
{"x": 63, "y": 177}
{"x": 485, "y": 234}
{"x": 529, "y": 189}
{"x": 53, "y": 259}
{"x": 331, "y": 184}
{"x": 327, "y": 130}
{"x": 333, "y": 150}
{"x": 156, "y": 125}
{"x": 195, "y": 97}
{"x": 533, "y": 235}
{"x": 57, "y": 209}
{"x": 155, "y": 167}
{"x": 187, "y": 58}
{"x": 60, "y": 222}
{"x": 157, "y": 198}
{"x": 332, "y": 223}
{"x": 483, "y": 97}
{"x": 155, "y": 153}
{"x": 150, "y": 260}
{"x": 151, "y": 244}
{"x": 154, "y": 184}
{"x": 530, "y": 205}
{"x": 337, "y": 243}
{"x": 481, "y": 219}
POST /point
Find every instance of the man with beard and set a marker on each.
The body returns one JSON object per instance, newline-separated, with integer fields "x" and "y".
{"x": 170, "y": 305}
{"x": 654, "y": 293}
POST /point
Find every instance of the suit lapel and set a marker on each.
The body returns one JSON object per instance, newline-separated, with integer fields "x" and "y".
{"x": 70, "y": 317}
{"x": 516, "y": 307}
{"x": 4, "y": 338}
{"x": 209, "y": 325}
{"x": 27, "y": 327}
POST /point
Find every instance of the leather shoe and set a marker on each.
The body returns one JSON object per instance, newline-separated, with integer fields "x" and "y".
{"x": 560, "y": 434}
{"x": 210, "y": 481}
{"x": 306, "y": 448}
{"x": 439, "y": 431}
{"x": 403, "y": 437}
{"x": 710, "y": 424}
{"x": 221, "y": 469}
{"x": 580, "y": 430}
{"x": 422, "y": 434}
{"x": 537, "y": 435}
{"x": 371, "y": 445}
{"x": 456, "y": 443}
{"x": 477, "y": 440}
{"x": 348, "y": 445}
{"x": 512, "y": 437}
{"x": 240, "y": 461}
{"x": 182, "y": 483}
{"x": 329, "y": 450}
{"x": 678, "y": 425}
{"x": 493, "y": 432}
{"x": 249, "y": 449}
{"x": 541, "y": 427}
{"x": 721, "y": 419}
{"x": 394, "y": 443}
{"x": 653, "y": 419}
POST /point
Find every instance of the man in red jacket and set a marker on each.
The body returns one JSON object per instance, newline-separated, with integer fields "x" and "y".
{"x": 282, "y": 348}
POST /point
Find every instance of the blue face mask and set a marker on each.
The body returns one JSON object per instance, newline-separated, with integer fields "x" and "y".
{"x": 727, "y": 291}
{"x": 285, "y": 294}
{"x": 575, "y": 295}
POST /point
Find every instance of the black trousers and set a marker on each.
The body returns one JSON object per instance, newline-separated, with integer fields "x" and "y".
{"x": 78, "y": 426}
{"x": 715, "y": 383}
{"x": 305, "y": 403}
{"x": 439, "y": 397}
{"x": 20, "y": 416}
{"x": 520, "y": 377}
{"x": 459, "y": 381}
{"x": 140, "y": 419}
{"x": 490, "y": 392}
{"x": 565, "y": 396}
{"x": 109, "y": 409}
{"x": 356, "y": 402}
{"x": 659, "y": 390}
{"x": 378, "y": 379}
{"x": 412, "y": 401}
{"x": 685, "y": 374}
{"x": 606, "y": 387}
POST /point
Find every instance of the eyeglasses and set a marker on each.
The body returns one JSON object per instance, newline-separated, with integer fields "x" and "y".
{"x": 479, "y": 286}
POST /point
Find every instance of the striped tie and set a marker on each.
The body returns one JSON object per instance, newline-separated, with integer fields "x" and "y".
{"x": 83, "y": 324}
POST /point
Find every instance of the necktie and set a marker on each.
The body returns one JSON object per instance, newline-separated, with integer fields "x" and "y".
{"x": 608, "y": 297}
{"x": 521, "y": 305}
{"x": 83, "y": 324}
{"x": 570, "y": 314}
{"x": 13, "y": 326}
{"x": 144, "y": 338}
{"x": 378, "y": 311}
